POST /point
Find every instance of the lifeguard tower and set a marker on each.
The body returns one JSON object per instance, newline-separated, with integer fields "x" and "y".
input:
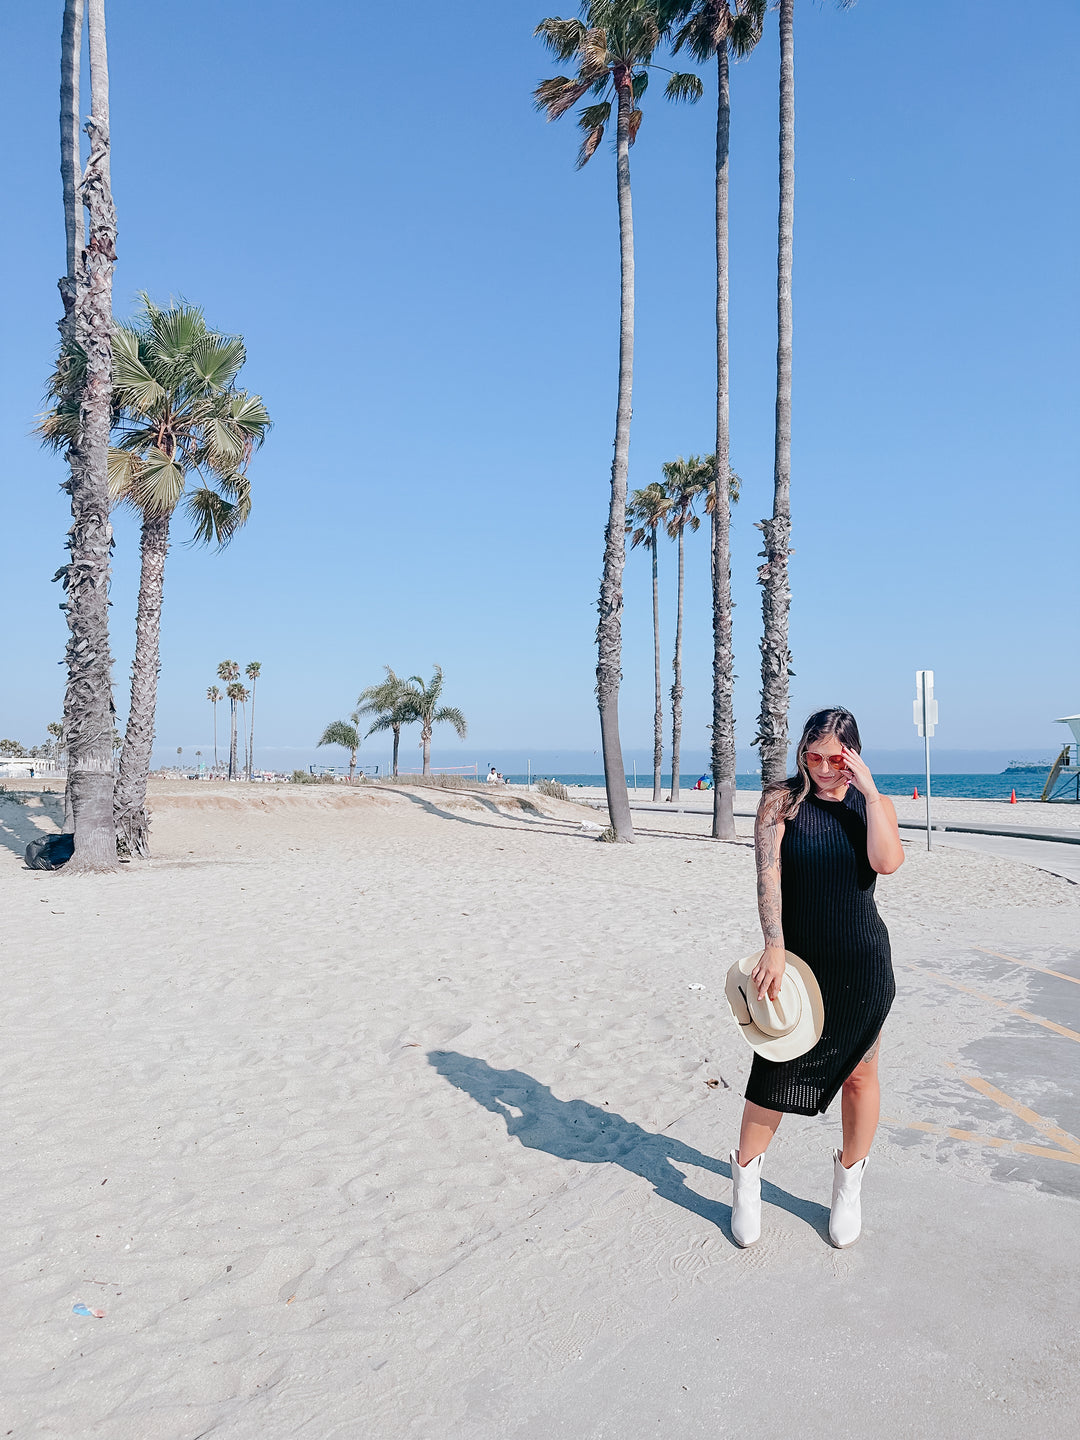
{"x": 1064, "y": 774}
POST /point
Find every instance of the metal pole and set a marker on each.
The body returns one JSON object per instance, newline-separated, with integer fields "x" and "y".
{"x": 529, "y": 781}
{"x": 635, "y": 774}
{"x": 926, "y": 741}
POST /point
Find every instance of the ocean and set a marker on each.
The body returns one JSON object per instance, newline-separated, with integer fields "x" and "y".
{"x": 1028, "y": 784}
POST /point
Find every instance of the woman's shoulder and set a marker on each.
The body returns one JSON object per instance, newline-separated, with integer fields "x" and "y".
{"x": 773, "y": 805}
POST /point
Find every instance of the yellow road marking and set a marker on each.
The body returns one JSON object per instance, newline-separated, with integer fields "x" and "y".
{"x": 992, "y": 1142}
{"x": 1046, "y": 1127}
{"x": 1057, "y": 974}
{"x": 1003, "y": 1005}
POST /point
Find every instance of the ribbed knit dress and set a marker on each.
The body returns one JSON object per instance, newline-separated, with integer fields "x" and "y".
{"x": 830, "y": 919}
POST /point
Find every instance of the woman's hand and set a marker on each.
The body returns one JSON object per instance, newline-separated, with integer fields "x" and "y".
{"x": 858, "y": 773}
{"x": 768, "y": 972}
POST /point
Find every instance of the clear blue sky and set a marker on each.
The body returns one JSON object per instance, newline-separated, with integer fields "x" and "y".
{"x": 429, "y": 296}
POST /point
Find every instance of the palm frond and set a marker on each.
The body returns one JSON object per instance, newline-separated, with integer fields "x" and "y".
{"x": 684, "y": 85}
{"x": 138, "y": 388}
{"x": 636, "y": 117}
{"x": 639, "y": 84}
{"x": 340, "y": 732}
{"x": 158, "y": 483}
{"x": 214, "y": 518}
{"x": 747, "y": 26}
{"x": 562, "y": 37}
{"x": 588, "y": 146}
{"x": 593, "y": 116}
{"x": 451, "y": 715}
{"x": 123, "y": 467}
{"x": 215, "y": 359}
{"x": 559, "y": 94}
{"x": 174, "y": 330}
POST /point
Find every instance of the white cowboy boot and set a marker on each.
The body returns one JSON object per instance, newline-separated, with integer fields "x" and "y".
{"x": 745, "y": 1200}
{"x": 845, "y": 1219}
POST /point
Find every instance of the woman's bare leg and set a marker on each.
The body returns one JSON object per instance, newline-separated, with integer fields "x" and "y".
{"x": 860, "y": 1106}
{"x": 758, "y": 1128}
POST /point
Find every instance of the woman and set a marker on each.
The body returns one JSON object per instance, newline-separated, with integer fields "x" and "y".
{"x": 821, "y": 840}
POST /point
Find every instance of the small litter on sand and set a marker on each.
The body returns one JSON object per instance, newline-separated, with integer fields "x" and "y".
{"x": 80, "y": 1309}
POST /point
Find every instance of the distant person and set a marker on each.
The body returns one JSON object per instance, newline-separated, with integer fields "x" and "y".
{"x": 821, "y": 838}
{"x": 493, "y": 776}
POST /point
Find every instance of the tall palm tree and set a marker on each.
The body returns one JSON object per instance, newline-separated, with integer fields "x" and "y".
{"x": 646, "y": 511}
{"x": 236, "y": 693}
{"x": 428, "y": 712}
{"x": 685, "y": 481}
{"x": 229, "y": 674}
{"x": 214, "y": 695}
{"x": 87, "y": 294}
{"x": 347, "y": 734}
{"x": 391, "y": 702}
{"x": 772, "y": 731}
{"x": 179, "y": 417}
{"x": 716, "y": 29}
{"x": 253, "y": 669}
{"x": 611, "y": 52}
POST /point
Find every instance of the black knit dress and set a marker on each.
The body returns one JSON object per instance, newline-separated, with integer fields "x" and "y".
{"x": 830, "y": 919}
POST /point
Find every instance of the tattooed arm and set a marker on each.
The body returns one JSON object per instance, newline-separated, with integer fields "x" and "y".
{"x": 768, "y": 832}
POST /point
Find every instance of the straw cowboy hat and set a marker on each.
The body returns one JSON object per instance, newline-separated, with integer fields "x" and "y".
{"x": 780, "y": 1029}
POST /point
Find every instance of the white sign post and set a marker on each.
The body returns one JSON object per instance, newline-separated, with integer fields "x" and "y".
{"x": 926, "y": 715}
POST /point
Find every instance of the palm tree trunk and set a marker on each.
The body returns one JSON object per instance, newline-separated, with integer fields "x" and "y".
{"x": 397, "y": 743}
{"x": 70, "y": 58}
{"x": 609, "y": 628}
{"x": 213, "y": 706}
{"x": 352, "y": 765}
{"x": 676, "y": 689}
{"x": 658, "y": 714}
{"x": 426, "y": 738}
{"x": 723, "y": 717}
{"x": 129, "y": 804}
{"x": 772, "y": 736}
{"x": 88, "y": 705}
{"x": 232, "y": 739}
{"x": 251, "y": 734}
{"x": 243, "y": 736}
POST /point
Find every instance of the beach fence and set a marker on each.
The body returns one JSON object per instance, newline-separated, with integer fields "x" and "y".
{"x": 465, "y": 771}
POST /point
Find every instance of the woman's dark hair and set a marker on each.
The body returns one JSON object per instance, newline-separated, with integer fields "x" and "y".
{"x": 834, "y": 721}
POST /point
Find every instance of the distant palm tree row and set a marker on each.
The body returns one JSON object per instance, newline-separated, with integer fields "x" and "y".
{"x": 668, "y": 505}
{"x": 394, "y": 703}
{"x": 611, "y": 49}
{"x": 237, "y": 694}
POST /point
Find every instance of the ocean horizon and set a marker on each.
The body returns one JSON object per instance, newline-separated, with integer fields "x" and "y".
{"x": 1027, "y": 784}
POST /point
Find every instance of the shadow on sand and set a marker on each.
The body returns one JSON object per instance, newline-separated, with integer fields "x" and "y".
{"x": 576, "y": 1130}
{"x": 18, "y": 820}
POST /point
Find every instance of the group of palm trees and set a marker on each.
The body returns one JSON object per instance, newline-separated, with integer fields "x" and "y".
{"x": 668, "y": 505}
{"x": 611, "y": 49}
{"x": 149, "y": 415}
{"x": 394, "y": 703}
{"x": 237, "y": 694}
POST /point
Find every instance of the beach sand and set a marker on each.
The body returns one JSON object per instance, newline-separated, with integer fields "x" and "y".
{"x": 387, "y": 1114}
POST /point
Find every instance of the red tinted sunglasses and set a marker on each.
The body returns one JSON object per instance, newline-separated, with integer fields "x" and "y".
{"x": 834, "y": 762}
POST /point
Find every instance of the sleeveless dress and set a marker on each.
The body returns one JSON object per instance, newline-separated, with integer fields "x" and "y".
{"x": 830, "y": 919}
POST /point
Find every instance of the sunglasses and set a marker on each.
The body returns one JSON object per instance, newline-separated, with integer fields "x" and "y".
{"x": 832, "y": 762}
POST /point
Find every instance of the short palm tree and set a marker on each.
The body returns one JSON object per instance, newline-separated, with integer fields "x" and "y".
{"x": 213, "y": 696}
{"x": 716, "y": 29}
{"x": 611, "y": 52}
{"x": 428, "y": 712}
{"x": 685, "y": 481}
{"x": 347, "y": 734}
{"x": 646, "y": 511}
{"x": 229, "y": 674}
{"x": 253, "y": 669}
{"x": 179, "y": 420}
{"x": 391, "y": 702}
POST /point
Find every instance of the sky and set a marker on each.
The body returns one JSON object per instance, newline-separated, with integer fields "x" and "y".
{"x": 428, "y": 293}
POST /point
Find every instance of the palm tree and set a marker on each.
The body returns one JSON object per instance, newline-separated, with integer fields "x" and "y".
{"x": 87, "y": 295}
{"x": 428, "y": 712}
{"x": 253, "y": 669}
{"x": 214, "y": 695}
{"x": 236, "y": 693}
{"x": 345, "y": 733}
{"x": 717, "y": 29}
{"x": 646, "y": 510}
{"x": 685, "y": 480}
{"x": 229, "y": 674}
{"x": 611, "y": 51}
{"x": 391, "y": 702}
{"x": 178, "y": 415}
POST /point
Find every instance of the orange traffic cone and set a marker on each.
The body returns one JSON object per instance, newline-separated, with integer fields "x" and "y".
{"x": 1012, "y": 798}
{"x": 915, "y": 793}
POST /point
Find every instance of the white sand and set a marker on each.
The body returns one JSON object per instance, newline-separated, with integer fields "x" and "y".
{"x": 351, "y": 1110}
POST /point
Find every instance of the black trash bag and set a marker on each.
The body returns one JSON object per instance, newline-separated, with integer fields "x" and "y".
{"x": 49, "y": 852}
